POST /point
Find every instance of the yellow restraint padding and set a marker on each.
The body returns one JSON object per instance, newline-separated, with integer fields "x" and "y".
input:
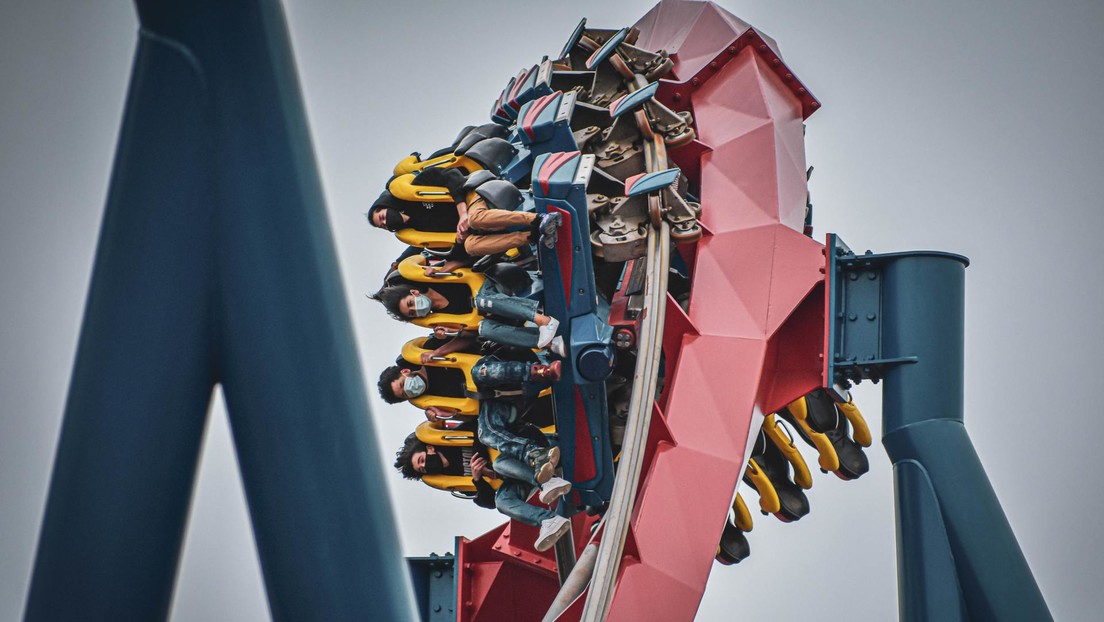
{"x": 783, "y": 442}
{"x": 402, "y": 186}
{"x": 411, "y": 270}
{"x": 434, "y": 240}
{"x": 435, "y": 434}
{"x": 742, "y": 517}
{"x": 861, "y": 430}
{"x": 768, "y": 496}
{"x": 411, "y": 163}
{"x": 412, "y": 353}
{"x": 828, "y": 460}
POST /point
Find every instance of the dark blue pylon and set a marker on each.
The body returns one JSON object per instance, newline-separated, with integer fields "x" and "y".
{"x": 216, "y": 265}
{"x": 901, "y": 318}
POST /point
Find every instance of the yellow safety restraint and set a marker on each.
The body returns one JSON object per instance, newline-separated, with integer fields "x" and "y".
{"x": 861, "y": 431}
{"x": 437, "y": 435}
{"x": 411, "y": 270}
{"x": 433, "y": 433}
{"x": 777, "y": 435}
{"x": 412, "y": 353}
{"x": 741, "y": 515}
{"x": 769, "y": 502}
{"x": 402, "y": 187}
{"x": 829, "y": 459}
{"x": 412, "y": 165}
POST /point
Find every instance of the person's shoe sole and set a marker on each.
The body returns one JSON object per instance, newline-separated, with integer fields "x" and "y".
{"x": 553, "y": 539}
{"x": 544, "y": 473}
{"x": 548, "y": 496}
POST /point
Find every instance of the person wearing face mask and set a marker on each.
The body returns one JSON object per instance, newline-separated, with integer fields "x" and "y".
{"x": 499, "y": 310}
{"x": 416, "y": 459}
{"x": 496, "y": 230}
{"x": 404, "y": 381}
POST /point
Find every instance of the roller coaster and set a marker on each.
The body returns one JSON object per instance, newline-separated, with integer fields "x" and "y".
{"x": 677, "y": 327}
{"x": 674, "y": 148}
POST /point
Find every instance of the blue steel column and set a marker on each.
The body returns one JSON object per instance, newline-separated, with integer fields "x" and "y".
{"x": 215, "y": 265}
{"x": 958, "y": 558}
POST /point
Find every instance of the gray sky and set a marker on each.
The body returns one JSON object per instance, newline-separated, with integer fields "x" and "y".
{"x": 967, "y": 127}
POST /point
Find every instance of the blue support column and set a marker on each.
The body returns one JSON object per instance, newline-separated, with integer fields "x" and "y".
{"x": 216, "y": 265}
{"x": 949, "y": 517}
{"x": 900, "y": 318}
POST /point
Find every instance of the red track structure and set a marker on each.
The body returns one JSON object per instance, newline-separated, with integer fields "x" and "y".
{"x": 751, "y": 342}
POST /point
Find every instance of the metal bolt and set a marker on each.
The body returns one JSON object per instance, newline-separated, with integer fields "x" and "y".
{"x": 801, "y": 90}
{"x": 713, "y": 65}
{"x": 815, "y": 104}
{"x": 854, "y": 276}
{"x": 776, "y": 62}
{"x": 872, "y": 276}
{"x": 517, "y": 553}
{"x": 852, "y": 317}
{"x": 762, "y": 47}
{"x": 788, "y": 77}
{"x": 436, "y": 608}
{"x": 732, "y": 49}
{"x": 695, "y": 82}
{"x": 438, "y": 574}
{"x": 871, "y": 316}
{"x": 678, "y": 97}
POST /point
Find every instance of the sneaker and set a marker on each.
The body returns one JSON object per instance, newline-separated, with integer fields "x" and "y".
{"x": 547, "y": 332}
{"x": 554, "y": 489}
{"x": 557, "y": 347}
{"x": 550, "y": 372}
{"x": 552, "y": 529}
{"x": 544, "y": 462}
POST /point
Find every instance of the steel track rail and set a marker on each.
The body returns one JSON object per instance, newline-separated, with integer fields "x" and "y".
{"x": 626, "y": 482}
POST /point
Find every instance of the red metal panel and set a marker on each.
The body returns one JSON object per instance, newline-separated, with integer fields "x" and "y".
{"x": 752, "y": 337}
{"x": 793, "y": 355}
{"x": 585, "y": 466}
{"x": 732, "y": 282}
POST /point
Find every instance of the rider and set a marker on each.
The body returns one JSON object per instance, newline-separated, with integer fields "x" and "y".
{"x": 415, "y": 459}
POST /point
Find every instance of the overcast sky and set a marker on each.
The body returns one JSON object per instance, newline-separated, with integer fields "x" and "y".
{"x": 967, "y": 127}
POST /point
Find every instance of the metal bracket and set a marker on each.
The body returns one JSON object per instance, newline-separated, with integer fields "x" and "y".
{"x": 853, "y": 335}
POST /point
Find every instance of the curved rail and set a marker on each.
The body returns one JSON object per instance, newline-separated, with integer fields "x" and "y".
{"x": 619, "y": 513}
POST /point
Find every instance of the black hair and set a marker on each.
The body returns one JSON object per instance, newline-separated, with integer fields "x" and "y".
{"x": 391, "y": 297}
{"x": 387, "y": 376}
{"x": 404, "y": 457}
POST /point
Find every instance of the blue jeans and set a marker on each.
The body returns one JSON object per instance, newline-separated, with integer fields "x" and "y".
{"x": 517, "y": 485}
{"x": 494, "y": 418}
{"x": 508, "y": 334}
{"x": 491, "y": 373}
{"x": 490, "y": 302}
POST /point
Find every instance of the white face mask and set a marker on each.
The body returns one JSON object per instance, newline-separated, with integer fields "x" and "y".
{"x": 413, "y": 386}
{"x": 422, "y": 305}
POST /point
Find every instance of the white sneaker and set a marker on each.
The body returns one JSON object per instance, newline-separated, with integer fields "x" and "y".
{"x": 552, "y": 529}
{"x": 554, "y": 489}
{"x": 547, "y": 332}
{"x": 557, "y": 346}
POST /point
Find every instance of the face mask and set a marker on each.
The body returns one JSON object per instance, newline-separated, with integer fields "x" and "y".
{"x": 422, "y": 306}
{"x": 392, "y": 219}
{"x": 433, "y": 464}
{"x": 413, "y": 386}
